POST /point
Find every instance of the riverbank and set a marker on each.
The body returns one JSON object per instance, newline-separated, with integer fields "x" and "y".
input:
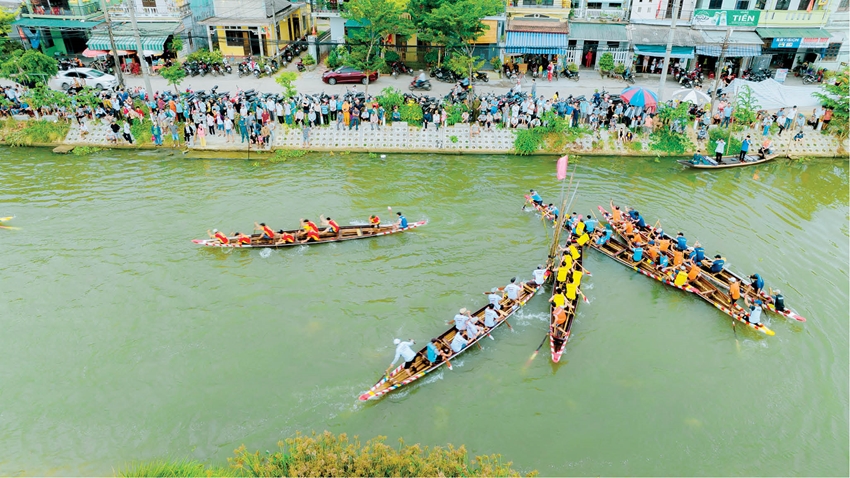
{"x": 401, "y": 137}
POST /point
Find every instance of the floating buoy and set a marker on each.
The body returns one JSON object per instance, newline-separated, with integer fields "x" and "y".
{"x": 383, "y": 156}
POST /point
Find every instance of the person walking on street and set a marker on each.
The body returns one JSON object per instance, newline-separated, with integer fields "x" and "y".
{"x": 745, "y": 146}
{"x": 719, "y": 149}
{"x": 534, "y": 88}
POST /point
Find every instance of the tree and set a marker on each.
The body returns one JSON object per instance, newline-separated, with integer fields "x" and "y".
{"x": 285, "y": 79}
{"x": 40, "y": 96}
{"x": 175, "y": 45}
{"x": 457, "y": 24}
{"x": 377, "y": 19}
{"x": 174, "y": 74}
{"x": 606, "y": 62}
{"x": 837, "y": 98}
{"x": 7, "y": 45}
{"x": 746, "y": 107}
{"x": 29, "y": 67}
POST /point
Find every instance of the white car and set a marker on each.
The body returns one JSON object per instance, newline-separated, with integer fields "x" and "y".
{"x": 86, "y": 77}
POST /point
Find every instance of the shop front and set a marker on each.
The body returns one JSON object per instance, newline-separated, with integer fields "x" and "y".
{"x": 533, "y": 44}
{"x": 790, "y": 47}
{"x": 740, "y": 49}
{"x": 650, "y": 45}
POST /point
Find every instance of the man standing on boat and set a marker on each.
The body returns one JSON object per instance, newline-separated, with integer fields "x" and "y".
{"x": 745, "y": 146}
{"x": 403, "y": 350}
{"x": 535, "y": 198}
{"x": 718, "y": 150}
{"x": 539, "y": 275}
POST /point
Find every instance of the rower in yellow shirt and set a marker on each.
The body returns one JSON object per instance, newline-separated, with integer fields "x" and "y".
{"x": 563, "y": 271}
{"x": 681, "y": 278}
{"x": 558, "y": 299}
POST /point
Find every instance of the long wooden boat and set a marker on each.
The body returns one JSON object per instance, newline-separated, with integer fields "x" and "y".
{"x": 560, "y": 335}
{"x": 346, "y": 233}
{"x": 703, "y": 288}
{"x": 420, "y": 366}
{"x": 530, "y": 203}
{"x": 731, "y": 162}
{"x": 723, "y": 277}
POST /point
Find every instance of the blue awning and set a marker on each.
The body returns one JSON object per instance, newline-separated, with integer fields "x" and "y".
{"x": 659, "y": 50}
{"x": 731, "y": 51}
{"x": 533, "y": 42}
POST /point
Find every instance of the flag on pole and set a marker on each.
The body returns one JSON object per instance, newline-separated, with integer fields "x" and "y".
{"x": 562, "y": 167}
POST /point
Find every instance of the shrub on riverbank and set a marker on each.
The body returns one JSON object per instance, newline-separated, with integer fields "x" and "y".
{"x": 327, "y": 454}
{"x": 27, "y": 133}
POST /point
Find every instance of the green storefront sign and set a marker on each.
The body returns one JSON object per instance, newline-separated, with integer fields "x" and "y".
{"x": 726, "y": 18}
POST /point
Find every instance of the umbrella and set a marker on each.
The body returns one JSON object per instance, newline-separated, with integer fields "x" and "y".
{"x": 637, "y": 96}
{"x": 94, "y": 53}
{"x": 696, "y": 97}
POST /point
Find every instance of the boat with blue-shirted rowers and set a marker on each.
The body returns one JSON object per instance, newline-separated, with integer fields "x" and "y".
{"x": 296, "y": 237}
{"x": 452, "y": 342}
{"x": 700, "y": 161}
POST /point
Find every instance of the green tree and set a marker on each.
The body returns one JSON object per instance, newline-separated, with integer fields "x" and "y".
{"x": 7, "y": 45}
{"x": 285, "y": 79}
{"x": 174, "y": 74}
{"x": 606, "y": 62}
{"x": 746, "y": 107}
{"x": 29, "y": 67}
{"x": 40, "y": 96}
{"x": 457, "y": 24}
{"x": 377, "y": 19}
{"x": 837, "y": 98}
{"x": 175, "y": 45}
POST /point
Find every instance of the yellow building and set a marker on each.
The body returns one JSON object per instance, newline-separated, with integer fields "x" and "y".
{"x": 245, "y": 28}
{"x": 537, "y": 27}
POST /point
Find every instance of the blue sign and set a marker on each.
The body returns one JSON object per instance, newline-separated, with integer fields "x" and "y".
{"x": 793, "y": 42}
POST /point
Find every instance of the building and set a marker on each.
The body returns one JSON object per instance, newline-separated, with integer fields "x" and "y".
{"x": 792, "y": 31}
{"x": 256, "y": 28}
{"x": 537, "y": 31}
{"x": 596, "y": 28}
{"x": 158, "y": 20}
{"x": 58, "y": 27}
{"x": 838, "y": 26}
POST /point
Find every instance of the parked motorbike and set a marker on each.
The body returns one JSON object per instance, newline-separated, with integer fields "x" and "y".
{"x": 203, "y": 69}
{"x": 416, "y": 85}
{"x": 570, "y": 75}
{"x": 629, "y": 77}
{"x": 267, "y": 69}
{"x": 399, "y": 68}
{"x": 444, "y": 74}
{"x": 809, "y": 78}
{"x": 480, "y": 76}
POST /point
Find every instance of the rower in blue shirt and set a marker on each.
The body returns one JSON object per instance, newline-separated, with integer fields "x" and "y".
{"x": 636, "y": 217}
{"x": 698, "y": 253}
{"x": 681, "y": 242}
{"x": 637, "y": 255}
{"x": 717, "y": 265}
{"x": 590, "y": 224}
{"x": 757, "y": 282}
{"x": 553, "y": 210}
{"x": 402, "y": 221}
{"x": 605, "y": 236}
{"x": 536, "y": 197}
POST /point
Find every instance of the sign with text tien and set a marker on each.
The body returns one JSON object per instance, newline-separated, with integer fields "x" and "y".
{"x": 726, "y": 18}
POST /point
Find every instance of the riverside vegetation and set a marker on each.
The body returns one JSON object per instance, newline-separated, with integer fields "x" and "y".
{"x": 327, "y": 454}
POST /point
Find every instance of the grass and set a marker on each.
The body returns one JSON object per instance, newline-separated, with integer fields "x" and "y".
{"x": 86, "y": 150}
{"x": 28, "y": 133}
{"x": 327, "y": 454}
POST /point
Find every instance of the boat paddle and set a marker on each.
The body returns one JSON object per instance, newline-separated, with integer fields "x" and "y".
{"x": 536, "y": 351}
{"x": 446, "y": 357}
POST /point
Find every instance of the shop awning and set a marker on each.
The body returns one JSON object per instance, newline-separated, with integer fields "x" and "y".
{"x": 538, "y": 43}
{"x": 149, "y": 43}
{"x": 792, "y": 33}
{"x": 740, "y": 44}
{"x": 55, "y": 23}
{"x": 659, "y": 51}
{"x": 598, "y": 32}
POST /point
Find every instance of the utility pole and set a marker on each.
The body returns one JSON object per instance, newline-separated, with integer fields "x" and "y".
{"x": 141, "y": 53}
{"x": 115, "y": 58}
{"x": 668, "y": 51}
{"x": 718, "y": 68}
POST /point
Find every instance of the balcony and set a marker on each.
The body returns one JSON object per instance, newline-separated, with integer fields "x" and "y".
{"x": 613, "y": 14}
{"x": 58, "y": 9}
{"x": 158, "y": 12}
{"x": 795, "y": 18}
{"x": 332, "y": 7}
{"x": 536, "y": 4}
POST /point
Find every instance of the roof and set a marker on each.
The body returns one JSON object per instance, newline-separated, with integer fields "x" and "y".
{"x": 153, "y": 35}
{"x": 660, "y": 50}
{"x": 241, "y": 22}
{"x": 538, "y": 25}
{"x": 55, "y": 23}
{"x": 793, "y": 33}
{"x": 535, "y": 42}
{"x": 657, "y": 35}
{"x": 598, "y": 31}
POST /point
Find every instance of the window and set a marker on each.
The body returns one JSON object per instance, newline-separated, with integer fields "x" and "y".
{"x": 615, "y": 5}
{"x": 234, "y": 37}
{"x": 831, "y": 53}
{"x": 742, "y": 5}
{"x": 782, "y": 4}
{"x": 594, "y": 5}
{"x": 47, "y": 38}
{"x": 613, "y": 45}
{"x": 149, "y": 3}
{"x": 804, "y": 5}
{"x": 843, "y": 6}
{"x": 715, "y": 4}
{"x": 760, "y": 4}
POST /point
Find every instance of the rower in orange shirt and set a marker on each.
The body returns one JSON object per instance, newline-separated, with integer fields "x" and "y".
{"x": 332, "y": 225}
{"x": 216, "y": 234}
{"x": 267, "y": 233}
{"x": 312, "y": 235}
{"x": 375, "y": 221}
{"x": 243, "y": 239}
{"x": 284, "y": 237}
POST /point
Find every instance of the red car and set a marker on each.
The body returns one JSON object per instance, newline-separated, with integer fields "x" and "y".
{"x": 347, "y": 74}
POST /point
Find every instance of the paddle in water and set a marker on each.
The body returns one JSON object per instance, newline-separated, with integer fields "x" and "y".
{"x": 536, "y": 351}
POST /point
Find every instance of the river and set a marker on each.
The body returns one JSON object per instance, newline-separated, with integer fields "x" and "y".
{"x": 123, "y": 341}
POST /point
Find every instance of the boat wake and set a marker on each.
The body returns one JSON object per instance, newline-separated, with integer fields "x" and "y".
{"x": 265, "y": 253}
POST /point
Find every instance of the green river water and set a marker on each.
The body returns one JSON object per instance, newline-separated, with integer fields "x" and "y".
{"x": 120, "y": 340}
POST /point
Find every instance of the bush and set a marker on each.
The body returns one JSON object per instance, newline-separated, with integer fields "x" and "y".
{"x": 431, "y": 57}
{"x": 455, "y": 113}
{"x": 496, "y": 63}
{"x": 606, "y": 62}
{"x": 28, "y": 133}
{"x": 390, "y": 98}
{"x": 411, "y": 113}
{"x": 573, "y": 67}
{"x": 206, "y": 56}
{"x": 335, "y": 455}
{"x": 664, "y": 141}
{"x": 391, "y": 56}
{"x": 334, "y": 60}
{"x": 309, "y": 60}
{"x": 619, "y": 68}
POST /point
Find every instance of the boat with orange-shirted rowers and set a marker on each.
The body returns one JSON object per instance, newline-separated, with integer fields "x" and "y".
{"x": 346, "y": 233}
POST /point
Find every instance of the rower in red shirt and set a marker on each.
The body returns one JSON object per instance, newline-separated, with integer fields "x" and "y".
{"x": 312, "y": 235}
{"x": 285, "y": 237}
{"x": 375, "y": 221}
{"x": 243, "y": 239}
{"x": 266, "y": 232}
{"x": 332, "y": 225}
{"x": 218, "y": 235}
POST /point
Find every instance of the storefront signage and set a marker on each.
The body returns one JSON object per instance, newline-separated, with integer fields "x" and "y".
{"x": 726, "y": 18}
{"x": 780, "y": 75}
{"x": 796, "y": 42}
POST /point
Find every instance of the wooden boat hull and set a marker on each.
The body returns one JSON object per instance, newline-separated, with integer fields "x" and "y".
{"x": 729, "y": 162}
{"x": 399, "y": 377}
{"x": 529, "y": 202}
{"x": 347, "y": 233}
{"x": 701, "y": 287}
{"x": 723, "y": 277}
{"x": 559, "y": 336}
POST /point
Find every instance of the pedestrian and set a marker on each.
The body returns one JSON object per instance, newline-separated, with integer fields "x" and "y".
{"x": 202, "y": 136}
{"x": 827, "y": 117}
{"x": 243, "y": 129}
{"x": 127, "y": 135}
{"x": 766, "y": 125}
{"x": 727, "y": 116}
{"x": 175, "y": 135}
{"x": 228, "y": 130}
{"x": 719, "y": 150}
{"x": 792, "y": 116}
{"x": 745, "y": 146}
{"x": 818, "y": 114}
{"x": 354, "y": 121}
{"x": 373, "y": 120}
{"x": 187, "y": 134}
{"x": 534, "y": 88}
{"x": 549, "y": 69}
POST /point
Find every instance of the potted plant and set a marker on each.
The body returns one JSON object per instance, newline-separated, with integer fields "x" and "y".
{"x": 496, "y": 63}
{"x": 606, "y": 63}
{"x": 573, "y": 67}
{"x": 619, "y": 69}
{"x": 309, "y": 62}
